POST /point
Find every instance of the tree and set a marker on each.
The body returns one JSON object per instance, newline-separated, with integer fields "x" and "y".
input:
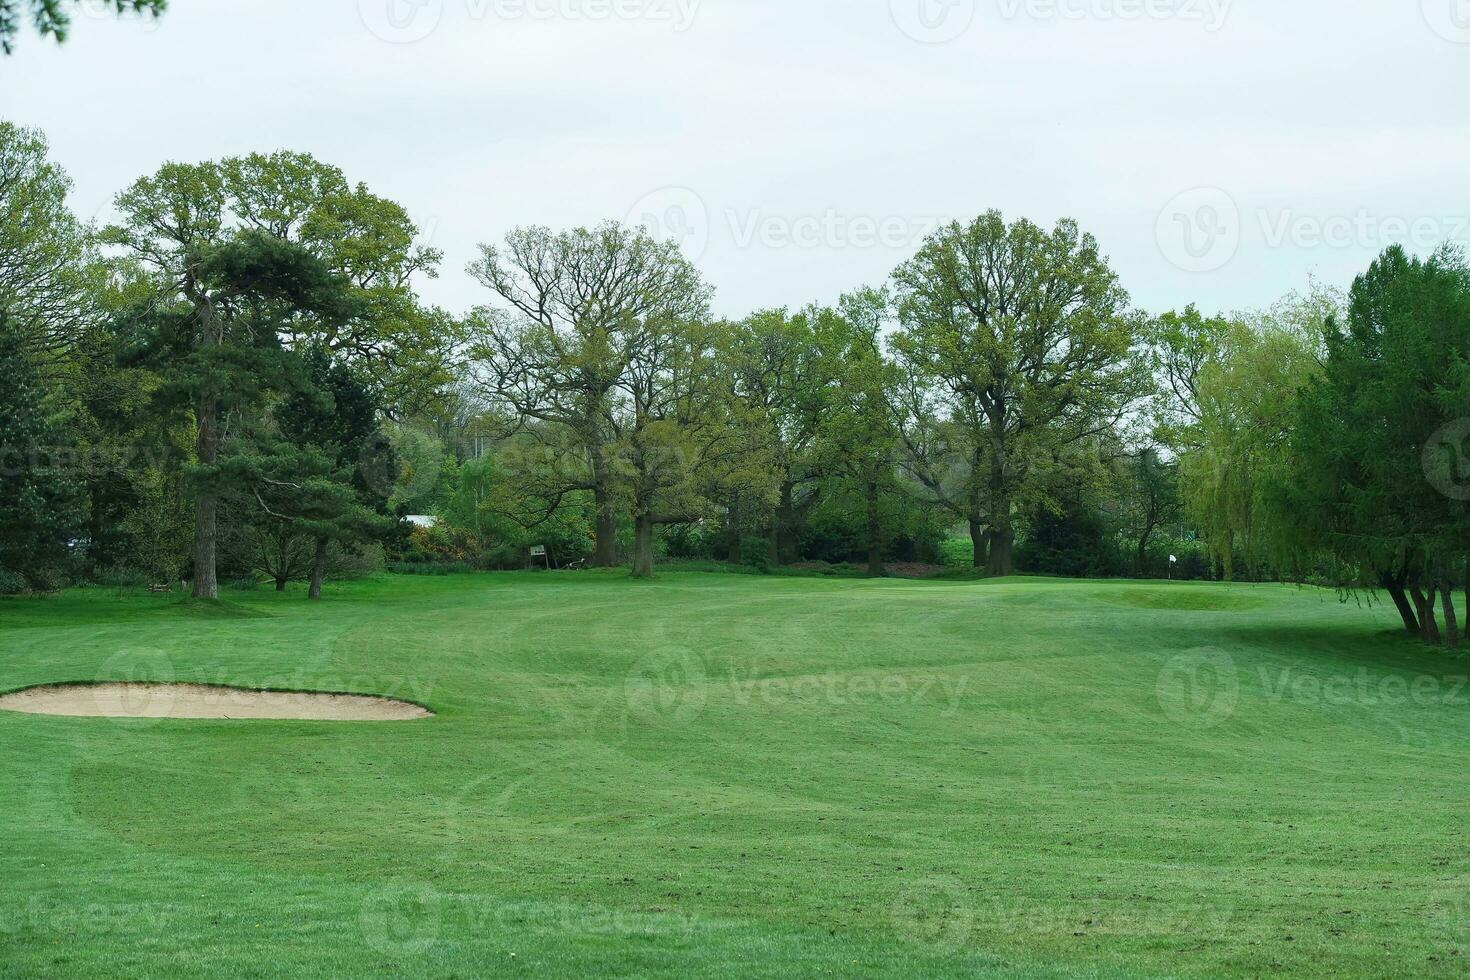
{"x": 40, "y": 502}
{"x": 1152, "y": 501}
{"x": 857, "y": 434}
{"x": 43, "y": 247}
{"x": 330, "y": 427}
{"x": 681, "y": 442}
{"x": 1378, "y": 478}
{"x": 262, "y": 253}
{"x": 579, "y": 304}
{"x": 1027, "y": 337}
{"x": 774, "y": 367}
{"x": 51, "y": 17}
{"x": 1232, "y": 432}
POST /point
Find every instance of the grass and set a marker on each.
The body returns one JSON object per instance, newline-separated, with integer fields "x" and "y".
{"x": 717, "y": 775}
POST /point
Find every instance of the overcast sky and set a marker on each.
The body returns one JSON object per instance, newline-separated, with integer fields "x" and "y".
{"x": 1222, "y": 151}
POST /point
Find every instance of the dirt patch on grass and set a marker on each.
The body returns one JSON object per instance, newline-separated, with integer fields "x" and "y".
{"x": 200, "y": 701}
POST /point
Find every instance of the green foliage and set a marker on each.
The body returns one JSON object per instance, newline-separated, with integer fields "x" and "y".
{"x": 40, "y": 498}
{"x": 53, "y": 18}
{"x": 1026, "y": 338}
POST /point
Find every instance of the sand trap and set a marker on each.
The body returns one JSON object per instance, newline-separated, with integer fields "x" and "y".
{"x": 198, "y": 701}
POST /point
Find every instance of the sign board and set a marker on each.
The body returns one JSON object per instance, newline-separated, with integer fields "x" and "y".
{"x": 538, "y": 551}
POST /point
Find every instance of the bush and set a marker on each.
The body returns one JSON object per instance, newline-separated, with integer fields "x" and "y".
{"x": 755, "y": 553}
{"x": 957, "y": 553}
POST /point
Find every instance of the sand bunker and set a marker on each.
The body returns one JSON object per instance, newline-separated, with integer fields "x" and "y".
{"x": 198, "y": 701}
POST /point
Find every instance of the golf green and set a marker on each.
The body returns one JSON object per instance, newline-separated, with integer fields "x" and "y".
{"x": 726, "y": 775}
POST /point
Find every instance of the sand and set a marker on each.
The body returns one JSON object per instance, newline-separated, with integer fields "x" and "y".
{"x": 198, "y": 701}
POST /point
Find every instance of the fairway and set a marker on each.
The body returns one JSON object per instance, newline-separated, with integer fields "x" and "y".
{"x": 718, "y": 775}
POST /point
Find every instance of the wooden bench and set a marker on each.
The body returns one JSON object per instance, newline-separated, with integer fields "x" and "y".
{"x": 159, "y": 589}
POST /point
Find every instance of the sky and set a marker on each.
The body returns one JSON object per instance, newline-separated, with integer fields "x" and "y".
{"x": 1223, "y": 152}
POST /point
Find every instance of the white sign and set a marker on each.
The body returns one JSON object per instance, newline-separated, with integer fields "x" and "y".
{"x": 538, "y": 550}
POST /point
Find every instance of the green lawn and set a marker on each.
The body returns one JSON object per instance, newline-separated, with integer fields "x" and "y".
{"x": 721, "y": 775}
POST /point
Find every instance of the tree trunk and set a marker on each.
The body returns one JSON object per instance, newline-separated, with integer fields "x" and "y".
{"x": 206, "y": 503}
{"x": 979, "y": 542}
{"x": 737, "y": 549}
{"x": 786, "y": 525}
{"x": 643, "y": 546}
{"x": 280, "y": 583}
{"x": 1395, "y": 589}
{"x": 605, "y": 548}
{"x": 1139, "y": 565}
{"x": 1002, "y": 534}
{"x": 1428, "y": 626}
{"x": 875, "y": 531}
{"x": 1451, "y": 621}
{"x": 318, "y": 569}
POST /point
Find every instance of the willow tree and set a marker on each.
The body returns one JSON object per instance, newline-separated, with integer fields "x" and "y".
{"x": 1224, "y": 406}
{"x": 1027, "y": 337}
{"x": 577, "y": 306}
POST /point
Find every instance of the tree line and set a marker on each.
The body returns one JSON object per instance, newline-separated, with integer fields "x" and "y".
{"x": 238, "y": 376}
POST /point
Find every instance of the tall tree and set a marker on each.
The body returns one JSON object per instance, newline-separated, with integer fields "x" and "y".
{"x": 857, "y": 434}
{"x": 681, "y": 440}
{"x": 1028, "y": 336}
{"x": 40, "y": 501}
{"x": 774, "y": 367}
{"x": 1378, "y": 477}
{"x": 222, "y": 242}
{"x": 578, "y": 304}
{"x": 44, "y": 281}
